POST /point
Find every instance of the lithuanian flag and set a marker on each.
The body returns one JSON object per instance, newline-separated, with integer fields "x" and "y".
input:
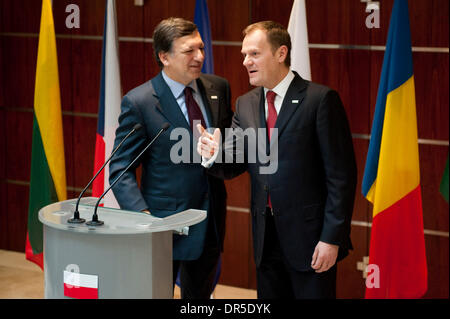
{"x": 392, "y": 176}
{"x": 48, "y": 175}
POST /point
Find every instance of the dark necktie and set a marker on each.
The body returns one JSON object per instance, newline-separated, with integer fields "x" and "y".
{"x": 272, "y": 112}
{"x": 194, "y": 112}
{"x": 271, "y": 119}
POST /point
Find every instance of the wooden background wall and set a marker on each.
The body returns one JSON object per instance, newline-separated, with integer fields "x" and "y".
{"x": 353, "y": 69}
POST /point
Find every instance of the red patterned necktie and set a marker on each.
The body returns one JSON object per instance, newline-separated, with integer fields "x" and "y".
{"x": 193, "y": 109}
{"x": 271, "y": 119}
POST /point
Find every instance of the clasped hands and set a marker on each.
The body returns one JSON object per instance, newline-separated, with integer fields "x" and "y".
{"x": 208, "y": 144}
{"x": 324, "y": 256}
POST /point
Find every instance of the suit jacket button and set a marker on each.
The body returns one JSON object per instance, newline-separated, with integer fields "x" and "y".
{"x": 266, "y": 188}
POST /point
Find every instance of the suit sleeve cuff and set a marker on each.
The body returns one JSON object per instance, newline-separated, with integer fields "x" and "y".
{"x": 210, "y": 162}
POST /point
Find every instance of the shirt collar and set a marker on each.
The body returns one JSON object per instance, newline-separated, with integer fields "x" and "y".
{"x": 177, "y": 88}
{"x": 281, "y": 88}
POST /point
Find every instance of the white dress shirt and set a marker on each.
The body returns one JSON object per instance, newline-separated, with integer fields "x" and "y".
{"x": 178, "y": 92}
{"x": 280, "y": 91}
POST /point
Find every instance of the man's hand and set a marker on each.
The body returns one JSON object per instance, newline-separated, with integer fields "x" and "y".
{"x": 324, "y": 256}
{"x": 208, "y": 143}
{"x": 146, "y": 211}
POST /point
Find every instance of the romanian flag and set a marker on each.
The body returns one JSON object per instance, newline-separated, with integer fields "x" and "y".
{"x": 48, "y": 173}
{"x": 109, "y": 104}
{"x": 392, "y": 177}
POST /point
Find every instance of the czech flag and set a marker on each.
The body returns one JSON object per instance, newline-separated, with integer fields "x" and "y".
{"x": 392, "y": 176}
{"x": 109, "y": 104}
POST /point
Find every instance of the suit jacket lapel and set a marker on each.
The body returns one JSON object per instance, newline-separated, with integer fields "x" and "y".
{"x": 260, "y": 112}
{"x": 291, "y": 103}
{"x": 207, "y": 92}
{"x": 168, "y": 105}
{"x": 257, "y": 101}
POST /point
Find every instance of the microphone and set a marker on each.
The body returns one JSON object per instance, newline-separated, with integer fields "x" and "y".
{"x": 95, "y": 221}
{"x": 76, "y": 215}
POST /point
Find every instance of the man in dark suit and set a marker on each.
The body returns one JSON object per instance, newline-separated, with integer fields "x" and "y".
{"x": 302, "y": 199}
{"x": 178, "y": 95}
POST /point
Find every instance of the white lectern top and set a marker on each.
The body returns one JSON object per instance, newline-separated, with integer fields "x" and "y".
{"x": 117, "y": 221}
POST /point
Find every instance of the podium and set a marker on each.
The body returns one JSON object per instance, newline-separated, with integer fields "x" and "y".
{"x": 130, "y": 256}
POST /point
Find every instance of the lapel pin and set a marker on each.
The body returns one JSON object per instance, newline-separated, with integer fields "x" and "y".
{"x": 213, "y": 97}
{"x": 295, "y": 101}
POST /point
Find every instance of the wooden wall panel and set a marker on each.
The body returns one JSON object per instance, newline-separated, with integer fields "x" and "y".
{"x": 83, "y": 133}
{"x": 337, "y": 22}
{"x": 19, "y": 127}
{"x": 19, "y": 71}
{"x": 431, "y": 81}
{"x": 86, "y": 64}
{"x": 150, "y": 66}
{"x": 64, "y": 52}
{"x": 350, "y": 282}
{"x": 70, "y": 164}
{"x": 29, "y": 12}
{"x": 132, "y": 61}
{"x": 2, "y": 20}
{"x": 4, "y": 234}
{"x": 60, "y": 15}
{"x": 437, "y": 262}
{"x": 228, "y": 64}
{"x": 238, "y": 190}
{"x": 361, "y": 207}
{"x": 376, "y": 63}
{"x": 235, "y": 259}
{"x": 436, "y": 33}
{"x": 348, "y": 72}
{"x": 278, "y": 11}
{"x": 74, "y": 194}
{"x": 2, "y": 103}
{"x": 130, "y": 19}
{"x": 155, "y": 11}
{"x": 91, "y": 17}
{"x": 15, "y": 223}
{"x": 228, "y": 19}
{"x": 3, "y": 213}
{"x": 3, "y": 165}
{"x": 435, "y": 208}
